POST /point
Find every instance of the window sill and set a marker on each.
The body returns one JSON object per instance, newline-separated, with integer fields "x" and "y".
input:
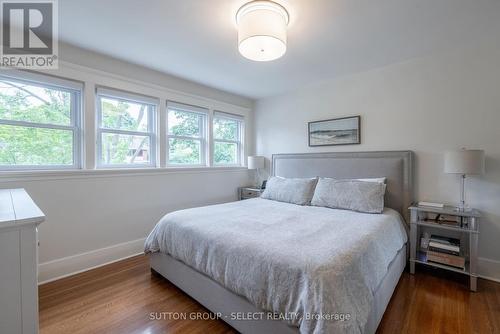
{"x": 31, "y": 175}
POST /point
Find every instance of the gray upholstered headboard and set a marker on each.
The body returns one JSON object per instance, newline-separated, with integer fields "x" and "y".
{"x": 396, "y": 166}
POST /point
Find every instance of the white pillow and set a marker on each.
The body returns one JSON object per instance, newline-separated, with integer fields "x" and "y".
{"x": 295, "y": 191}
{"x": 352, "y": 195}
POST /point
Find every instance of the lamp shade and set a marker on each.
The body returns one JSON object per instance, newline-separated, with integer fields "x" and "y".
{"x": 262, "y": 30}
{"x": 464, "y": 162}
{"x": 255, "y": 162}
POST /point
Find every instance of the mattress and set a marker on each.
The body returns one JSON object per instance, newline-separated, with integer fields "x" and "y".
{"x": 317, "y": 268}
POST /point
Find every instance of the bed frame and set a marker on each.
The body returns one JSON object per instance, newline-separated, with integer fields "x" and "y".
{"x": 396, "y": 166}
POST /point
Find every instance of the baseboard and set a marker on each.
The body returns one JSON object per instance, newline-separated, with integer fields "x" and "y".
{"x": 63, "y": 267}
{"x": 489, "y": 269}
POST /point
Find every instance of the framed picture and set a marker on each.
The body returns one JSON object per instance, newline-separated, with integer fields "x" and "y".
{"x": 337, "y": 131}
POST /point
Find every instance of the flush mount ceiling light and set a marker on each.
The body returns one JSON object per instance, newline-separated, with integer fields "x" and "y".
{"x": 262, "y": 30}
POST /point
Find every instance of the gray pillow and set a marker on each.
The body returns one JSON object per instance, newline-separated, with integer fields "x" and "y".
{"x": 352, "y": 195}
{"x": 295, "y": 191}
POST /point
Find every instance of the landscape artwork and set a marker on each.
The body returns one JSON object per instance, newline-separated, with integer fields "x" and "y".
{"x": 338, "y": 131}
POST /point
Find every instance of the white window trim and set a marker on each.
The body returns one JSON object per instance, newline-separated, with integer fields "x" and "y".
{"x": 239, "y": 142}
{"x": 152, "y": 106}
{"x": 75, "y": 89}
{"x": 203, "y": 138}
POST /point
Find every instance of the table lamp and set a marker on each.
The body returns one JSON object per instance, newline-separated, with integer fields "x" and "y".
{"x": 256, "y": 162}
{"x": 464, "y": 162}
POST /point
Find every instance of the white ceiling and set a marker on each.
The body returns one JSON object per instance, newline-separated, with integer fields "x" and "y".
{"x": 196, "y": 39}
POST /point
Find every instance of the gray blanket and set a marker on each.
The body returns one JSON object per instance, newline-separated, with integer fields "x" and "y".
{"x": 319, "y": 267}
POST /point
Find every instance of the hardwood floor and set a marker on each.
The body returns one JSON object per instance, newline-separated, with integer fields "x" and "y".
{"x": 121, "y": 298}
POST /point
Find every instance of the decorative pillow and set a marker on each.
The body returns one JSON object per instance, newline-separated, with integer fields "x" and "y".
{"x": 295, "y": 191}
{"x": 352, "y": 195}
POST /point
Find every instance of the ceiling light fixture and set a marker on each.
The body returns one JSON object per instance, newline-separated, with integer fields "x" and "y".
{"x": 262, "y": 30}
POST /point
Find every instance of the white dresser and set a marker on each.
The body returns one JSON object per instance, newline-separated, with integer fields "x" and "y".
{"x": 19, "y": 219}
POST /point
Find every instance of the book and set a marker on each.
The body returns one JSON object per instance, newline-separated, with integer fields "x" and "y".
{"x": 449, "y": 219}
{"x": 431, "y": 205}
{"x": 445, "y": 251}
{"x": 448, "y": 222}
{"x": 445, "y": 240}
{"x": 444, "y": 219}
{"x": 444, "y": 244}
{"x": 444, "y": 247}
{"x": 447, "y": 259}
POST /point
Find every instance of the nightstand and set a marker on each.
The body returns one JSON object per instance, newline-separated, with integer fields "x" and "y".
{"x": 249, "y": 192}
{"x": 466, "y": 229}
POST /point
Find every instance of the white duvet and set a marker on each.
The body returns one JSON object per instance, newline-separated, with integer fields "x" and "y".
{"x": 313, "y": 265}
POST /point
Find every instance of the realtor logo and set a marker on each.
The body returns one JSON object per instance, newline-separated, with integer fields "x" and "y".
{"x": 29, "y": 34}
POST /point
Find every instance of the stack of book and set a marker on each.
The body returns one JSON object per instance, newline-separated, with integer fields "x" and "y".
{"x": 445, "y": 251}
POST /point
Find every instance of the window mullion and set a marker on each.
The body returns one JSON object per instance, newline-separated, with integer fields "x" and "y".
{"x": 125, "y": 132}
{"x": 75, "y": 114}
{"x": 98, "y": 121}
{"x": 152, "y": 135}
{"x": 162, "y": 139}
{"x": 227, "y": 141}
{"x": 184, "y": 137}
{"x": 241, "y": 144}
{"x": 210, "y": 137}
{"x": 203, "y": 132}
{"x": 37, "y": 125}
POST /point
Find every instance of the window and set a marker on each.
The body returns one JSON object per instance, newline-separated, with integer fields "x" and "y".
{"x": 41, "y": 128}
{"x": 227, "y": 138}
{"x": 186, "y": 135}
{"x": 126, "y": 129}
{"x": 39, "y": 122}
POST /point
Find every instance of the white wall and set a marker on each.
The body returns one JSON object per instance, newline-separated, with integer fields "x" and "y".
{"x": 95, "y": 217}
{"x": 443, "y": 101}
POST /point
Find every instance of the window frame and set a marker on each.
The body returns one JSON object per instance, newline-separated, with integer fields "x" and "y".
{"x": 203, "y": 138}
{"x": 239, "y": 142}
{"x": 75, "y": 88}
{"x": 118, "y": 95}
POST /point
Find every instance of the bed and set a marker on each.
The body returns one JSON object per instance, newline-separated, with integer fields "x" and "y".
{"x": 266, "y": 266}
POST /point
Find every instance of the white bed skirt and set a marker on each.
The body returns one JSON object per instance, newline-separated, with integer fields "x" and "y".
{"x": 219, "y": 300}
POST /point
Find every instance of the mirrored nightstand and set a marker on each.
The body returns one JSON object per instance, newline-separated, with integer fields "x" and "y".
{"x": 461, "y": 225}
{"x": 249, "y": 192}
